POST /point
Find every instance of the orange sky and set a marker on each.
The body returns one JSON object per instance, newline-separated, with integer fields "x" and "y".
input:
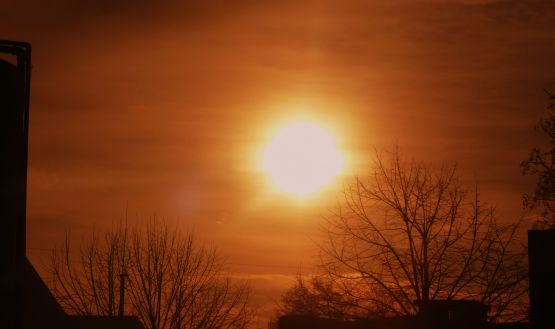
{"x": 164, "y": 107}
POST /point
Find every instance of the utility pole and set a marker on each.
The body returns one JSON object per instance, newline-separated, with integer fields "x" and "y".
{"x": 122, "y": 277}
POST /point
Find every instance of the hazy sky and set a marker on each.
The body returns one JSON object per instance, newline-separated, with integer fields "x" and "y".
{"x": 165, "y": 106}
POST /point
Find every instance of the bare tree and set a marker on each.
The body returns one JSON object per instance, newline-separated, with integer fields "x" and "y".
{"x": 172, "y": 281}
{"x": 541, "y": 163}
{"x": 317, "y": 296}
{"x": 411, "y": 233}
{"x": 86, "y": 282}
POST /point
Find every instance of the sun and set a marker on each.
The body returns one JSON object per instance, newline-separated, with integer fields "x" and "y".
{"x": 301, "y": 158}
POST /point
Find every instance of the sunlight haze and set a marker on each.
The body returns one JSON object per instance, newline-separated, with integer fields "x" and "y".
{"x": 245, "y": 120}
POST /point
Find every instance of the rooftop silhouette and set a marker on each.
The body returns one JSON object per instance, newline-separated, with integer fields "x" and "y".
{"x": 26, "y": 300}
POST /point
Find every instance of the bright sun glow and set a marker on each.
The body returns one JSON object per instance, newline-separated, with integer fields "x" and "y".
{"x": 301, "y": 158}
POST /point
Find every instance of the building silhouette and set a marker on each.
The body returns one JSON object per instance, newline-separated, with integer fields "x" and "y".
{"x": 26, "y": 301}
{"x": 437, "y": 314}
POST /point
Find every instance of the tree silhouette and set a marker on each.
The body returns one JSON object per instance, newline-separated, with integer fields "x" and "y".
{"x": 172, "y": 281}
{"x": 412, "y": 233}
{"x": 315, "y": 296}
{"x": 541, "y": 163}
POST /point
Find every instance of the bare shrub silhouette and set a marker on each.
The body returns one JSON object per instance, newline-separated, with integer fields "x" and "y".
{"x": 172, "y": 281}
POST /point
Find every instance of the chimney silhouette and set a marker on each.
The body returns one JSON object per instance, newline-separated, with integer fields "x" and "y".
{"x": 14, "y": 117}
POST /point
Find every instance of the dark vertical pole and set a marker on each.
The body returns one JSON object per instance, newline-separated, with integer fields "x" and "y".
{"x": 14, "y": 120}
{"x": 122, "y": 277}
{"x": 541, "y": 244}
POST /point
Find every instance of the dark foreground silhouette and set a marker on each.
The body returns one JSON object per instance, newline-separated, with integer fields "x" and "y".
{"x": 26, "y": 301}
{"x": 439, "y": 314}
{"x": 464, "y": 314}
